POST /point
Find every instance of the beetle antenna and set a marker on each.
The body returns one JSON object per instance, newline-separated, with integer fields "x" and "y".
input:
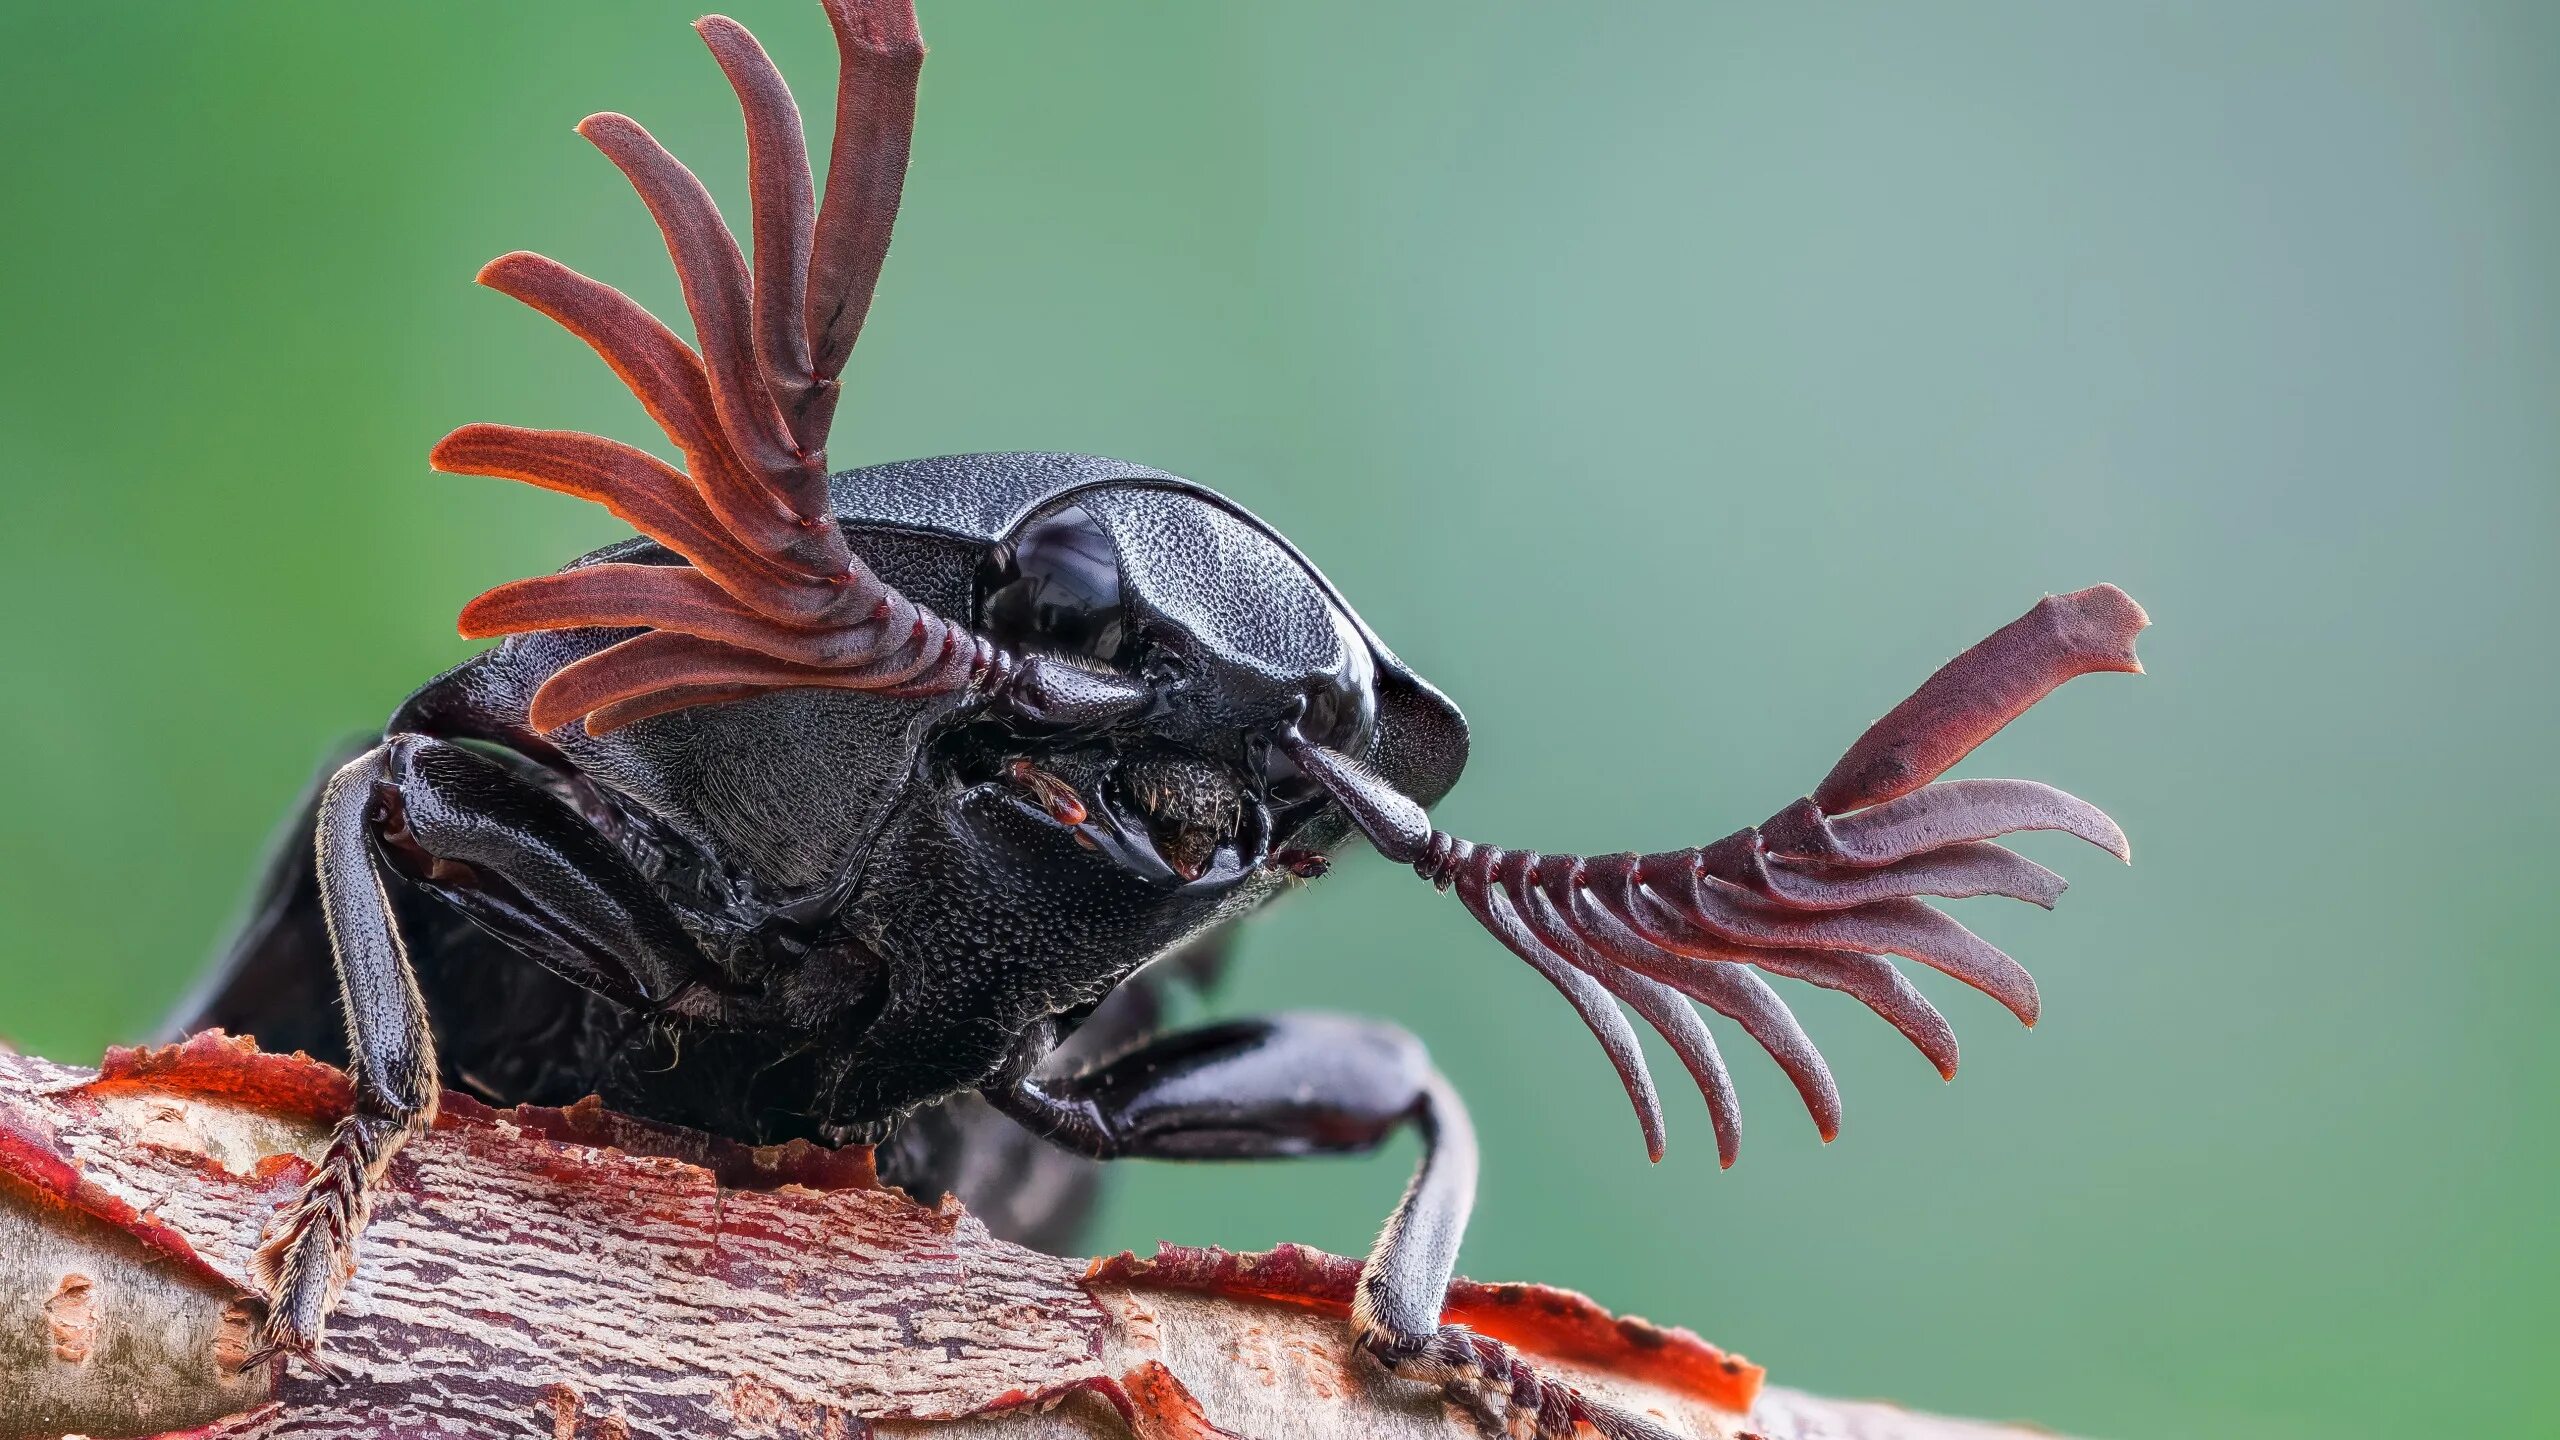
{"x": 1821, "y": 892}
{"x": 771, "y": 596}
{"x": 882, "y": 55}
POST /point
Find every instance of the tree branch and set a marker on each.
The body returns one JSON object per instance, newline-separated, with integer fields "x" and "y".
{"x": 590, "y": 1277}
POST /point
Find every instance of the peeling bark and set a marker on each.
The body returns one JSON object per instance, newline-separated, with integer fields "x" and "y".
{"x": 585, "y": 1276}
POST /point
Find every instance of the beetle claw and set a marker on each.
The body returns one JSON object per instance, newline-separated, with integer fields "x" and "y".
{"x": 1301, "y": 864}
{"x": 1505, "y": 1394}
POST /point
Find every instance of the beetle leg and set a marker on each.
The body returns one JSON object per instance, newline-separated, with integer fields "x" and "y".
{"x": 522, "y": 863}
{"x": 563, "y": 894}
{"x": 393, "y": 1065}
{"x": 1283, "y": 1086}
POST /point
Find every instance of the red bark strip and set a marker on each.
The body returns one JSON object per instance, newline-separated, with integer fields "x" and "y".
{"x": 1539, "y": 1319}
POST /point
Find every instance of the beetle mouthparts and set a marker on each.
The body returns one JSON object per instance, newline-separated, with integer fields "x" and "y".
{"x": 1821, "y": 892}
{"x": 1190, "y": 808}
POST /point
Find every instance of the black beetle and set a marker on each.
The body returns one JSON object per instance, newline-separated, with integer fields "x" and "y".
{"x": 847, "y": 807}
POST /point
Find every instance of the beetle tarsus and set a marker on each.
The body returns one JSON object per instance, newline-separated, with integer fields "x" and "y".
{"x": 308, "y": 1263}
{"x": 1490, "y": 1381}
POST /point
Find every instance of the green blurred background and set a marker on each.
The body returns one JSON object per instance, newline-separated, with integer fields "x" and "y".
{"x": 1675, "y": 384}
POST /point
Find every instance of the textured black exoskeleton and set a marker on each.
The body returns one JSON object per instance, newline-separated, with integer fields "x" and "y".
{"x": 852, "y": 806}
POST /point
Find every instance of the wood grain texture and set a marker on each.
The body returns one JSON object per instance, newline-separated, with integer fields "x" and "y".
{"x": 582, "y": 1276}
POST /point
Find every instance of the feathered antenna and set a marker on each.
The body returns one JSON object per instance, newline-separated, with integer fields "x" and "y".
{"x": 1820, "y": 893}
{"x": 771, "y": 596}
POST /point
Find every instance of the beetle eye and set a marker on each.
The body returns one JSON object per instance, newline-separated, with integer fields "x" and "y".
{"x": 1055, "y": 587}
{"x": 1342, "y": 708}
{"x": 1340, "y": 713}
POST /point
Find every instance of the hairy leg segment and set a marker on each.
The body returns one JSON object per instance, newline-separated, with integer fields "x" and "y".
{"x": 521, "y": 862}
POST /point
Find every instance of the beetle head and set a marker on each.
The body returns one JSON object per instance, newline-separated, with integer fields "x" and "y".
{"x": 1169, "y": 650}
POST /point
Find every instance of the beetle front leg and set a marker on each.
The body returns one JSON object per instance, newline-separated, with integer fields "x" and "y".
{"x": 522, "y": 864}
{"x": 393, "y": 1065}
{"x": 1282, "y": 1086}
{"x": 564, "y": 895}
